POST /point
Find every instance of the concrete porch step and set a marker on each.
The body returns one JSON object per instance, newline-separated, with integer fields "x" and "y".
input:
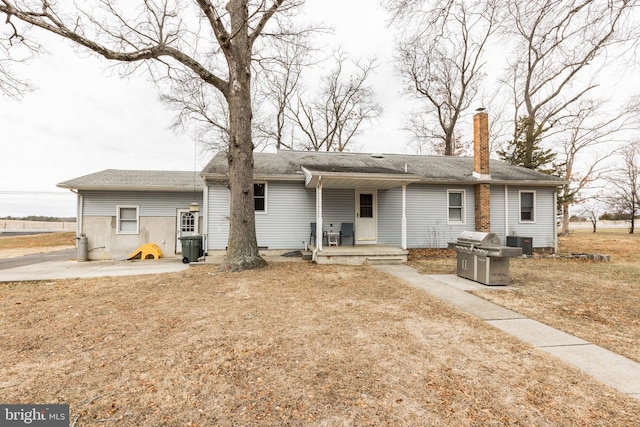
{"x": 385, "y": 260}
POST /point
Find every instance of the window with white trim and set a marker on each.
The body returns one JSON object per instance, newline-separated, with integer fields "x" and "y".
{"x": 127, "y": 219}
{"x": 260, "y": 196}
{"x": 455, "y": 206}
{"x": 527, "y": 206}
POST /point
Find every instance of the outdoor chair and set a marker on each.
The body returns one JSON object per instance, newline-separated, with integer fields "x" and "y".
{"x": 346, "y": 230}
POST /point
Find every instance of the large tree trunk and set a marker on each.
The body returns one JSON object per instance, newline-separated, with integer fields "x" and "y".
{"x": 242, "y": 247}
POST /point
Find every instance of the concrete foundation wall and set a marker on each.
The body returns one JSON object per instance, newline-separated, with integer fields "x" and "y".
{"x": 105, "y": 243}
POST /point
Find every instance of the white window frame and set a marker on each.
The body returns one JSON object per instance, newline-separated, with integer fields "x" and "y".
{"x": 119, "y": 220}
{"x": 266, "y": 192}
{"x": 533, "y": 214}
{"x": 463, "y": 208}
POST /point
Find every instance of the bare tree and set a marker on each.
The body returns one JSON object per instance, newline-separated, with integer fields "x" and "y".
{"x": 279, "y": 85}
{"x": 331, "y": 119}
{"x": 592, "y": 208}
{"x": 441, "y": 61}
{"x": 558, "y": 46}
{"x": 15, "y": 48}
{"x": 196, "y": 101}
{"x": 179, "y": 40}
{"x": 625, "y": 184}
{"x": 588, "y": 127}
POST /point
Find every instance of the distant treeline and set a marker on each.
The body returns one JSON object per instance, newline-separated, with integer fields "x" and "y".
{"x": 603, "y": 217}
{"x": 40, "y": 218}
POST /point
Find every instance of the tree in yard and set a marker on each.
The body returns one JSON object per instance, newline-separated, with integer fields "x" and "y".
{"x": 588, "y": 126}
{"x": 625, "y": 184}
{"x": 529, "y": 153}
{"x": 591, "y": 208}
{"x": 441, "y": 59}
{"x": 557, "y": 42}
{"x": 279, "y": 87}
{"x": 329, "y": 120}
{"x": 178, "y": 42}
{"x": 14, "y": 49}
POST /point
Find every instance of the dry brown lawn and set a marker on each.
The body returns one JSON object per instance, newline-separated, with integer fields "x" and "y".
{"x": 11, "y": 246}
{"x": 292, "y": 344}
{"x": 596, "y": 301}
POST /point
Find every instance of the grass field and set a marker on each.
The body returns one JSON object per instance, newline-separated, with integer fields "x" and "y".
{"x": 300, "y": 344}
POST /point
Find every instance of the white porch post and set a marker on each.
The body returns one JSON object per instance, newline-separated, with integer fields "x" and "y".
{"x": 319, "y": 214}
{"x": 404, "y": 216}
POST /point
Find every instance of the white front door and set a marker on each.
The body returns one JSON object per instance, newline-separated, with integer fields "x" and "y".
{"x": 366, "y": 217}
{"x": 187, "y": 222}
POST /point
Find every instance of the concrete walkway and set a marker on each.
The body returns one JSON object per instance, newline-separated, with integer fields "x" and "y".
{"x": 612, "y": 369}
{"x": 72, "y": 269}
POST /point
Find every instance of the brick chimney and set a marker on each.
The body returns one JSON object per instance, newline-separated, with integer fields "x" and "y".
{"x": 481, "y": 171}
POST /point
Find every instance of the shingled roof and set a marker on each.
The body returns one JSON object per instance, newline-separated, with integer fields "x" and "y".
{"x": 132, "y": 180}
{"x": 429, "y": 169}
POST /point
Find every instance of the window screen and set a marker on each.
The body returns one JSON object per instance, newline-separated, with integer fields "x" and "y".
{"x": 260, "y": 197}
{"x": 456, "y": 206}
{"x": 128, "y": 219}
{"x": 527, "y": 206}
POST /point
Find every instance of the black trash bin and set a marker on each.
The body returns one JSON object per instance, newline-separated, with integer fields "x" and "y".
{"x": 191, "y": 248}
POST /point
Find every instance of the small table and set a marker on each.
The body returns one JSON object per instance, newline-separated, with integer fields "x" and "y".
{"x": 332, "y": 237}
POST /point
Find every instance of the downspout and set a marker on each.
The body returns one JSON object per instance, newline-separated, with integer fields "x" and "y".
{"x": 506, "y": 213}
{"x": 554, "y": 223}
{"x": 205, "y": 217}
{"x": 79, "y": 213}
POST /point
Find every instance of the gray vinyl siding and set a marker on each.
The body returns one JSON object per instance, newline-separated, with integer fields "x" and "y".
{"x": 290, "y": 211}
{"x": 287, "y": 222}
{"x": 156, "y": 204}
{"x": 390, "y": 217}
{"x": 427, "y": 214}
{"x": 218, "y": 215}
{"x": 497, "y": 213}
{"x": 543, "y": 229}
{"x": 338, "y": 206}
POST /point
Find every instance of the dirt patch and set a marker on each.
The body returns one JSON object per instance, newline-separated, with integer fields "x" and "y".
{"x": 292, "y": 344}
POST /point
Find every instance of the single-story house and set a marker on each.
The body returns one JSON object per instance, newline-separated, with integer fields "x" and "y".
{"x": 120, "y": 210}
{"x": 395, "y": 200}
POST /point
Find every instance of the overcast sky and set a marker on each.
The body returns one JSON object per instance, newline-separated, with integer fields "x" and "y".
{"x": 83, "y": 119}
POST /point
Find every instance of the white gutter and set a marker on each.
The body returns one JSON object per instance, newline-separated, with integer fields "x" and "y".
{"x": 205, "y": 218}
{"x": 79, "y": 213}
{"x": 506, "y": 213}
{"x": 555, "y": 220}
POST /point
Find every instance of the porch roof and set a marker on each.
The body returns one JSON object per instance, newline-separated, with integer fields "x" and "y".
{"x": 354, "y": 177}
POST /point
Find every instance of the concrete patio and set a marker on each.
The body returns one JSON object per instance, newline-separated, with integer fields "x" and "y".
{"x": 359, "y": 254}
